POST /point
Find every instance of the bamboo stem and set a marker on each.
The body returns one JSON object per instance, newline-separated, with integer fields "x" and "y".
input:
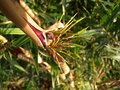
{"x": 21, "y": 16}
{"x": 17, "y": 14}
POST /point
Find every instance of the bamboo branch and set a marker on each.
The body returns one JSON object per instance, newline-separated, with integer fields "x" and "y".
{"x": 22, "y": 18}
{"x": 18, "y": 15}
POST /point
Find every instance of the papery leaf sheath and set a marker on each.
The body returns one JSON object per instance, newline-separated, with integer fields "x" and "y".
{"x": 60, "y": 60}
{"x": 38, "y": 33}
{"x": 58, "y": 57}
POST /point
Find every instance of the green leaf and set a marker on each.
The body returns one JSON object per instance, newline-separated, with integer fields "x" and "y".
{"x": 47, "y": 17}
{"x": 13, "y": 31}
{"x": 70, "y": 54}
{"x": 3, "y": 18}
{"x": 78, "y": 33}
{"x": 21, "y": 41}
{"x": 109, "y": 20}
{"x": 68, "y": 26}
{"x": 14, "y": 63}
{"x": 115, "y": 57}
{"x": 35, "y": 54}
{"x": 71, "y": 45}
{"x": 86, "y": 34}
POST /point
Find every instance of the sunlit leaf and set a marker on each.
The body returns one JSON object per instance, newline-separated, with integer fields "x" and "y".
{"x": 13, "y": 31}
{"x": 14, "y": 63}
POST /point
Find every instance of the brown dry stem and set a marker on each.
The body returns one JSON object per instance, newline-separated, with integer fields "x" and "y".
{"x": 30, "y": 12}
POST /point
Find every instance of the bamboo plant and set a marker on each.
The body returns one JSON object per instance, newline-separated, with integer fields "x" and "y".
{"x": 51, "y": 39}
{"x": 85, "y": 59}
{"x": 43, "y": 38}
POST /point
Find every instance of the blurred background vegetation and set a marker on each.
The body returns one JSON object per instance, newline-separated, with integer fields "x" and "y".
{"x": 95, "y": 60}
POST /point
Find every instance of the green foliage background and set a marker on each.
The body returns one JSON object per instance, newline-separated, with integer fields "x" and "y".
{"x": 95, "y": 59}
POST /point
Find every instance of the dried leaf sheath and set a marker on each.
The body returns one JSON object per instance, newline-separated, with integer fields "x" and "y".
{"x": 30, "y": 12}
{"x": 4, "y": 44}
{"x": 3, "y": 39}
{"x": 62, "y": 64}
{"x": 39, "y": 34}
{"x": 26, "y": 55}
